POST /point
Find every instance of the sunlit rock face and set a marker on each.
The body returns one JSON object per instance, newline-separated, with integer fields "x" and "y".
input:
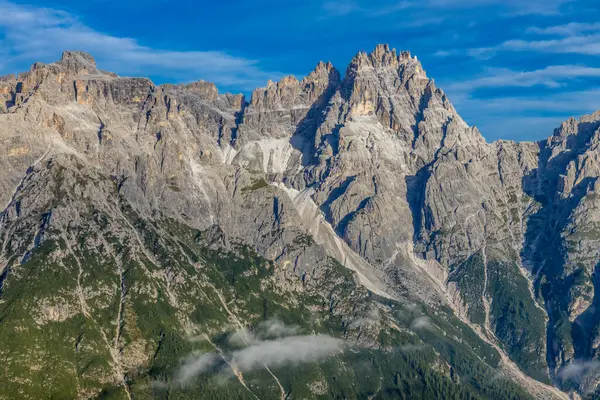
{"x": 358, "y": 205}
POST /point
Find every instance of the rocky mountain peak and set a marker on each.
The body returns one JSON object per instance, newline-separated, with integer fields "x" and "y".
{"x": 288, "y": 100}
{"x": 207, "y": 90}
{"x": 321, "y": 83}
{"x": 395, "y": 88}
{"x": 382, "y": 57}
{"x": 374, "y": 172}
{"x": 8, "y": 78}
{"x": 574, "y": 134}
{"x": 324, "y": 74}
{"x": 78, "y": 63}
{"x": 78, "y": 56}
{"x": 276, "y": 93}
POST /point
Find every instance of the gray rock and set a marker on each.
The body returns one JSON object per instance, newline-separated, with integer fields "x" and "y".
{"x": 375, "y": 169}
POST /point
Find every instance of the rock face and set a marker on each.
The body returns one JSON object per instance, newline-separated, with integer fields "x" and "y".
{"x": 128, "y": 185}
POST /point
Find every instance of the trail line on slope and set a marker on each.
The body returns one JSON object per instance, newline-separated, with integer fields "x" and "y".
{"x": 232, "y": 316}
{"x": 245, "y": 337}
{"x": 522, "y": 270}
{"x": 119, "y": 316}
{"x": 234, "y": 368}
{"x": 486, "y": 305}
{"x": 114, "y": 354}
{"x": 536, "y": 388}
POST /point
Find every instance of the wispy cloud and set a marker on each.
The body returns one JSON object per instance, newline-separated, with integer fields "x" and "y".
{"x": 275, "y": 353}
{"x": 585, "y": 44}
{"x": 577, "y": 369}
{"x": 391, "y": 8}
{"x": 272, "y": 328}
{"x": 569, "y": 29}
{"x": 289, "y": 350}
{"x": 511, "y": 7}
{"x": 582, "y": 372}
{"x": 340, "y": 8}
{"x": 572, "y": 38}
{"x": 565, "y": 103}
{"x": 421, "y": 323}
{"x": 371, "y": 318}
{"x": 30, "y": 33}
{"x": 516, "y": 7}
{"x": 552, "y": 76}
{"x": 259, "y": 352}
{"x": 554, "y": 92}
{"x": 196, "y": 365}
{"x": 531, "y": 117}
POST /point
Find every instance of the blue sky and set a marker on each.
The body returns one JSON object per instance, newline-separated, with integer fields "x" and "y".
{"x": 514, "y": 68}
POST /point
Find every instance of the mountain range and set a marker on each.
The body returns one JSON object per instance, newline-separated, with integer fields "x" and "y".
{"x": 343, "y": 236}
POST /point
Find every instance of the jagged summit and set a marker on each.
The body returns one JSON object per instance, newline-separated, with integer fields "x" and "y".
{"x": 381, "y": 56}
{"x": 78, "y": 56}
{"x": 377, "y": 212}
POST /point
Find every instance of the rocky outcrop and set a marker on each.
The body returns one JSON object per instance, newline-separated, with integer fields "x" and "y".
{"x": 374, "y": 169}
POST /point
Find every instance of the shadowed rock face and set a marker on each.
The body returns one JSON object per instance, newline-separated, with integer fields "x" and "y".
{"x": 374, "y": 170}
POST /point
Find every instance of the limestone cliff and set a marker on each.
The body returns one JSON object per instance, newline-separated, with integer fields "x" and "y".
{"x": 372, "y": 173}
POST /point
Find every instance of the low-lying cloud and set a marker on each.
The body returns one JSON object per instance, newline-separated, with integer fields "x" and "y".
{"x": 372, "y": 318}
{"x": 269, "y": 329}
{"x": 278, "y": 350}
{"x": 275, "y": 328}
{"x": 421, "y": 323}
{"x": 289, "y": 350}
{"x": 578, "y": 370}
{"x": 196, "y": 365}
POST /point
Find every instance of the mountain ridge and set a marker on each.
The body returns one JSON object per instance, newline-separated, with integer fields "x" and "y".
{"x": 375, "y": 170}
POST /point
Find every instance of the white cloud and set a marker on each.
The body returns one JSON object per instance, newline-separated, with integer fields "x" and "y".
{"x": 196, "y": 365}
{"x": 516, "y": 7}
{"x": 421, "y": 323}
{"x": 572, "y": 38}
{"x": 341, "y": 8}
{"x": 242, "y": 337}
{"x": 41, "y": 34}
{"x": 289, "y": 350}
{"x": 274, "y": 328}
{"x": 552, "y": 76}
{"x": 586, "y": 44}
{"x": 271, "y": 344}
{"x": 569, "y": 29}
{"x": 531, "y": 117}
{"x": 578, "y": 370}
{"x": 569, "y": 103}
{"x": 371, "y": 318}
{"x": 391, "y": 9}
{"x": 444, "y": 53}
{"x": 292, "y": 350}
